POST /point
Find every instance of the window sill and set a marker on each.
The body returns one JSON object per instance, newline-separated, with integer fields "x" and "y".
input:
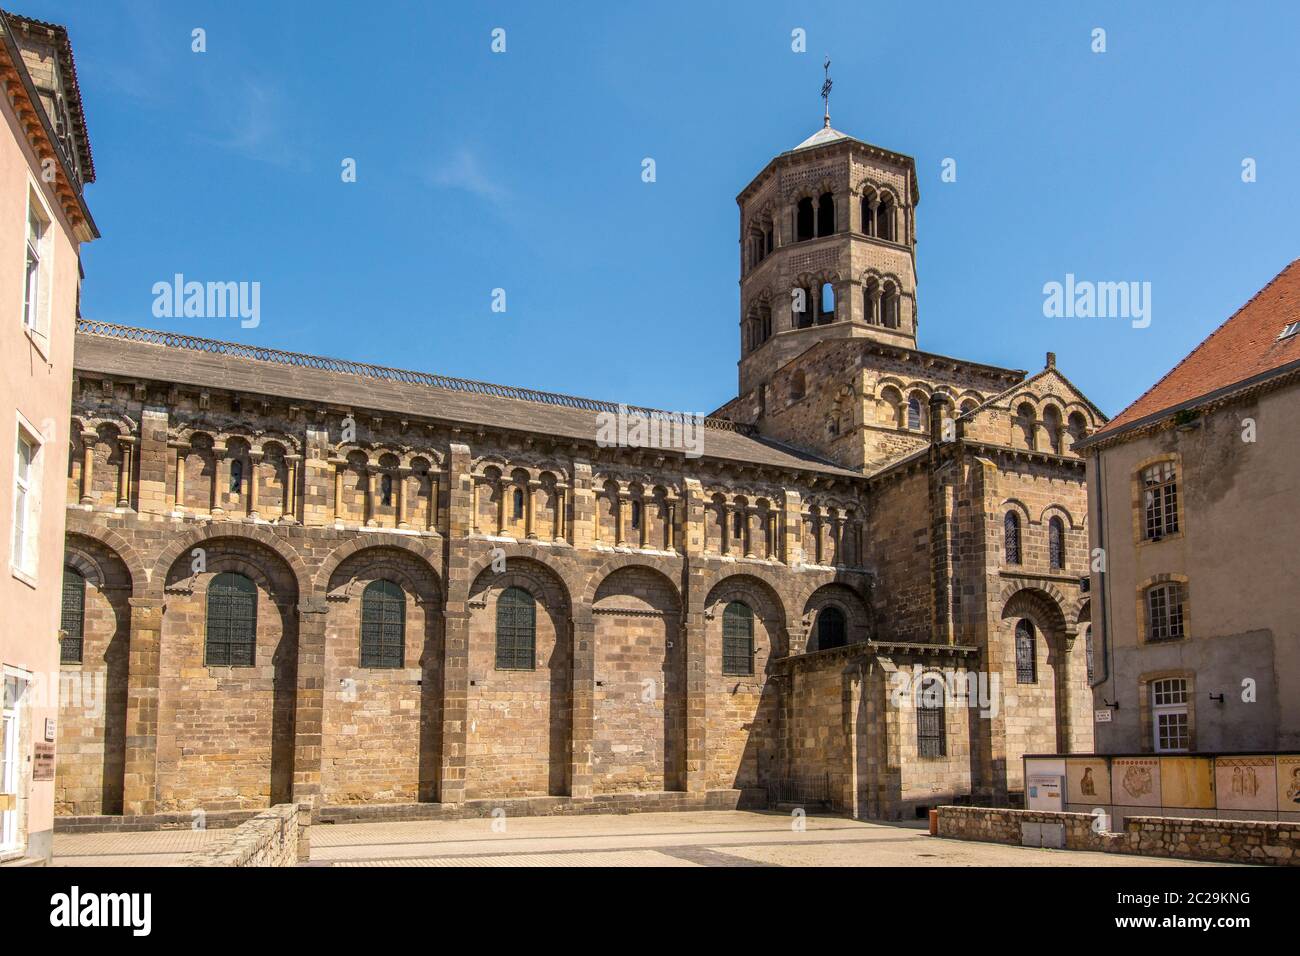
{"x": 25, "y": 577}
{"x": 1176, "y": 536}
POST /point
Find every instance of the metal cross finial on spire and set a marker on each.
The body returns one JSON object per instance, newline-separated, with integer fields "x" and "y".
{"x": 826, "y": 93}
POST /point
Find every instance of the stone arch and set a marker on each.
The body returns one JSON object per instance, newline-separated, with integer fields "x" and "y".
{"x": 857, "y": 618}
{"x": 1036, "y": 720}
{"x": 255, "y": 769}
{"x": 118, "y": 545}
{"x": 90, "y": 777}
{"x": 640, "y": 671}
{"x": 519, "y": 718}
{"x": 198, "y": 536}
{"x": 419, "y": 548}
{"x": 397, "y": 711}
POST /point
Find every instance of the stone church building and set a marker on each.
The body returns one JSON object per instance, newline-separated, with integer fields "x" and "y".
{"x": 392, "y": 592}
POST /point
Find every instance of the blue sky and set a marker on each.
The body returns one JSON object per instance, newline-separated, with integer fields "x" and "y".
{"x": 522, "y": 171}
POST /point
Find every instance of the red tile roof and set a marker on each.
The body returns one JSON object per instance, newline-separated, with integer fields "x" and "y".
{"x": 1244, "y": 347}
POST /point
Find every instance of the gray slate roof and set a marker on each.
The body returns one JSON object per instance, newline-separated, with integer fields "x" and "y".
{"x": 206, "y": 363}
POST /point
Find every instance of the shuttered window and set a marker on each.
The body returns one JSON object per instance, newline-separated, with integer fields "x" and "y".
{"x": 383, "y": 625}
{"x": 1026, "y": 654}
{"x": 232, "y": 621}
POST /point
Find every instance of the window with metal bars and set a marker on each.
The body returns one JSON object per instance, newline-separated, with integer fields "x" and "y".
{"x": 232, "y": 621}
{"x": 72, "y": 619}
{"x": 1056, "y": 544}
{"x": 737, "y": 639}
{"x": 516, "y": 630}
{"x": 1160, "y": 500}
{"x": 1011, "y": 537}
{"x": 831, "y": 628}
{"x": 383, "y": 625}
{"x": 1165, "y": 612}
{"x": 1026, "y": 654}
{"x": 931, "y": 740}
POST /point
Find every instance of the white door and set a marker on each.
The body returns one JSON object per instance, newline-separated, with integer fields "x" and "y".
{"x": 10, "y": 762}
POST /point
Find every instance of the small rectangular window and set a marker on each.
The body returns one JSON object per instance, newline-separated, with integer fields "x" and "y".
{"x": 1290, "y": 330}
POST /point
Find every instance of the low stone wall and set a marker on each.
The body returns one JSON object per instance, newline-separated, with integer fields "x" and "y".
{"x": 1226, "y": 841}
{"x": 275, "y": 837}
{"x": 661, "y": 802}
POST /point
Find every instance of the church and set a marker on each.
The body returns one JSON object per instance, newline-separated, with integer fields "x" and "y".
{"x": 860, "y": 587}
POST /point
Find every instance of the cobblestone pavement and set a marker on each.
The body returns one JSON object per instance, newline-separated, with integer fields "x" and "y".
{"x": 702, "y": 838}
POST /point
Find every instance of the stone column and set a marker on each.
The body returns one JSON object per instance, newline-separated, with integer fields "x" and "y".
{"x": 139, "y": 794}
{"x": 751, "y": 516}
{"x": 1065, "y": 693}
{"x": 126, "y": 444}
{"x": 530, "y": 492}
{"x": 559, "y": 513}
{"x": 367, "y": 500}
{"x": 581, "y": 778}
{"x": 88, "y": 440}
{"x": 618, "y": 517}
{"x": 309, "y": 699}
{"x": 180, "y": 475}
{"x": 501, "y": 506}
{"x": 219, "y": 478}
{"x": 254, "y": 459}
{"x": 290, "y": 511}
{"x": 402, "y": 475}
{"x": 339, "y": 465}
{"x": 473, "y": 507}
{"x": 645, "y": 524}
{"x": 671, "y": 506}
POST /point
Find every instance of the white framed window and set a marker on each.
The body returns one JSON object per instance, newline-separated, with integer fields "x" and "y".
{"x": 1170, "y": 719}
{"x": 27, "y": 490}
{"x": 1290, "y": 330}
{"x": 38, "y": 266}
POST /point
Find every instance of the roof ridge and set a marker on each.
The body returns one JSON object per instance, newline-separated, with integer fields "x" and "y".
{"x": 369, "y": 370}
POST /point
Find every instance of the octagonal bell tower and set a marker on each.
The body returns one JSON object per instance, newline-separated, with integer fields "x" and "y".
{"x": 827, "y": 250}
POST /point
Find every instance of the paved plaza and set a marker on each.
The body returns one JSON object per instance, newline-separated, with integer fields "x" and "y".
{"x": 705, "y": 838}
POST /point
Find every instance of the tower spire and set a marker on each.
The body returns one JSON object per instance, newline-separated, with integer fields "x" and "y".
{"x": 826, "y": 93}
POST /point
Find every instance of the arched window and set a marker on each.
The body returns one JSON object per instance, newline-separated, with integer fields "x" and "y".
{"x": 1026, "y": 654}
{"x": 931, "y": 740}
{"x": 636, "y": 515}
{"x": 72, "y": 618}
{"x": 1026, "y": 420}
{"x": 885, "y": 219}
{"x": 231, "y": 638}
{"x": 871, "y": 303}
{"x": 236, "y": 476}
{"x": 737, "y": 639}
{"x": 1078, "y": 427}
{"x": 1011, "y": 538}
{"x": 804, "y": 219}
{"x": 868, "y": 216}
{"x": 889, "y": 308}
{"x": 737, "y": 526}
{"x": 1056, "y": 543}
{"x": 803, "y": 308}
{"x": 1052, "y": 426}
{"x": 517, "y": 503}
{"x": 831, "y": 628}
{"x": 383, "y": 625}
{"x": 516, "y": 630}
{"x": 826, "y": 215}
{"x": 914, "y": 413}
{"x": 827, "y": 303}
{"x": 386, "y": 490}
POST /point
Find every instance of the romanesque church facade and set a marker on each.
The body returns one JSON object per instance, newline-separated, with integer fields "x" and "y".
{"x": 296, "y": 578}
